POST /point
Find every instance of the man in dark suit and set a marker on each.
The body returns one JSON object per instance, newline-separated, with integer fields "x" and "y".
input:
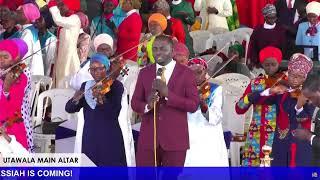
{"x": 287, "y": 10}
{"x": 178, "y": 95}
{"x": 311, "y": 90}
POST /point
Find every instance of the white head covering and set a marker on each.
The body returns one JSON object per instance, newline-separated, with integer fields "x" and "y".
{"x": 313, "y": 7}
{"x": 102, "y": 39}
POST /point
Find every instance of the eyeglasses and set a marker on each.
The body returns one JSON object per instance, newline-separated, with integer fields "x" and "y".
{"x": 95, "y": 69}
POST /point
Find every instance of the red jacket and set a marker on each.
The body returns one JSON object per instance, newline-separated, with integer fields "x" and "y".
{"x": 129, "y": 33}
{"x": 172, "y": 132}
{"x": 177, "y": 30}
{"x": 12, "y": 4}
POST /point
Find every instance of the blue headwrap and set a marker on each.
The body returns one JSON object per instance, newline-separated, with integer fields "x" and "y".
{"x": 101, "y": 59}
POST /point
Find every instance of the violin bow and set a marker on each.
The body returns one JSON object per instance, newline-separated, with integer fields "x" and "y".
{"x": 217, "y": 53}
{"x": 214, "y": 74}
{"x": 24, "y": 59}
{"x": 96, "y": 84}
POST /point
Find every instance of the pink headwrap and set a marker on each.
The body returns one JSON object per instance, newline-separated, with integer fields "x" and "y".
{"x": 83, "y": 19}
{"x": 22, "y": 46}
{"x": 180, "y": 49}
{"x": 115, "y": 2}
{"x": 31, "y": 12}
{"x": 300, "y": 63}
{"x": 11, "y": 47}
{"x": 198, "y": 61}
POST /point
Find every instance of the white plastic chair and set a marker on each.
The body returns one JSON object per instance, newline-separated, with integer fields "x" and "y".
{"x": 59, "y": 98}
{"x": 241, "y": 36}
{"x": 199, "y": 39}
{"x": 65, "y": 82}
{"x": 221, "y": 41}
{"x": 212, "y": 62}
{"x": 234, "y": 85}
{"x": 247, "y": 30}
{"x": 38, "y": 81}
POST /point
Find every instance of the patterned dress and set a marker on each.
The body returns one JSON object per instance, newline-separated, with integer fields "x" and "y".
{"x": 262, "y": 126}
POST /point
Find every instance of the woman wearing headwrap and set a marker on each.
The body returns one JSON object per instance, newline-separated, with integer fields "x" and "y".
{"x": 101, "y": 116}
{"x": 174, "y": 26}
{"x": 103, "y": 44}
{"x": 260, "y": 37}
{"x": 309, "y": 32}
{"x": 293, "y": 113}
{"x": 157, "y": 23}
{"x": 27, "y": 15}
{"x": 14, "y": 94}
{"x": 181, "y": 53}
{"x": 63, "y": 14}
{"x": 8, "y": 22}
{"x": 48, "y": 42}
{"x": 237, "y": 65}
{"x": 84, "y": 40}
{"x": 182, "y": 9}
{"x": 206, "y": 122}
{"x": 129, "y": 35}
{"x": 108, "y": 22}
{"x": 263, "y": 123}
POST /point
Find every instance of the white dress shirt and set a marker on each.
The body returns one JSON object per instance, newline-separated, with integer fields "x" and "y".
{"x": 167, "y": 74}
{"x": 296, "y": 16}
{"x": 169, "y": 69}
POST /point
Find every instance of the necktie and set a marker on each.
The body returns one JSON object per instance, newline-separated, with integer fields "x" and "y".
{"x": 290, "y": 6}
{"x": 163, "y": 78}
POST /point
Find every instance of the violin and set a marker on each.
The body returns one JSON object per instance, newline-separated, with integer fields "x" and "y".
{"x": 16, "y": 118}
{"x": 279, "y": 78}
{"x": 104, "y": 86}
{"x": 204, "y": 90}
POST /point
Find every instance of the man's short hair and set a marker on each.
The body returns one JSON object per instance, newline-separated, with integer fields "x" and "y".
{"x": 166, "y": 38}
{"x": 312, "y": 82}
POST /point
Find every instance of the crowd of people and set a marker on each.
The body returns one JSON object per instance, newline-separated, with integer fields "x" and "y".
{"x": 167, "y": 86}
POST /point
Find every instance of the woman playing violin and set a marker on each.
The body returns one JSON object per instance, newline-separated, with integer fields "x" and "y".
{"x": 207, "y": 145}
{"x": 101, "y": 111}
{"x": 263, "y": 123}
{"x": 293, "y": 113}
{"x": 15, "y": 91}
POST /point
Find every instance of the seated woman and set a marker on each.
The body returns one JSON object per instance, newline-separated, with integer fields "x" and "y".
{"x": 157, "y": 23}
{"x": 308, "y": 32}
{"x": 268, "y": 34}
{"x": 9, "y": 24}
{"x": 181, "y": 53}
{"x": 14, "y": 94}
{"x": 237, "y": 65}
{"x": 207, "y": 145}
{"x": 101, "y": 113}
{"x": 103, "y": 44}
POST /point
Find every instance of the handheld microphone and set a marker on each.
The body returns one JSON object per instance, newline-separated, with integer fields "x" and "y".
{"x": 159, "y": 74}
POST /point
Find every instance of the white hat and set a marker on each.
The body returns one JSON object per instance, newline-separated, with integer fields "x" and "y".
{"x": 313, "y": 7}
{"x": 102, "y": 39}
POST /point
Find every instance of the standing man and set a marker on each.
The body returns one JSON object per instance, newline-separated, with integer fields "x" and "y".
{"x": 311, "y": 90}
{"x": 178, "y": 95}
